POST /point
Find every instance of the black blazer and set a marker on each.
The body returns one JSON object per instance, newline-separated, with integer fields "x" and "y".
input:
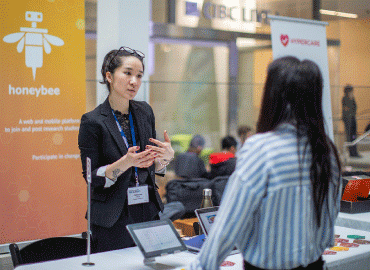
{"x": 100, "y": 140}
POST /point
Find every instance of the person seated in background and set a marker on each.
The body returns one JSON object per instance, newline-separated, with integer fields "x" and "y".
{"x": 223, "y": 163}
{"x": 189, "y": 164}
{"x": 243, "y": 133}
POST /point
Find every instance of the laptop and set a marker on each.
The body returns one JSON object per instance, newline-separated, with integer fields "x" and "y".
{"x": 206, "y": 217}
{"x": 156, "y": 238}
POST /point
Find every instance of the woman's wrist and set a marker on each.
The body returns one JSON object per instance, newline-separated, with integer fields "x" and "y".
{"x": 164, "y": 162}
{"x": 113, "y": 173}
{"x": 115, "y": 169}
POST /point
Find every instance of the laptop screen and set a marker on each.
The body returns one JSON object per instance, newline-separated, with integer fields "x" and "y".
{"x": 206, "y": 217}
{"x": 156, "y": 238}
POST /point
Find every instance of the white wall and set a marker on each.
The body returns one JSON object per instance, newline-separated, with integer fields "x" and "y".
{"x": 122, "y": 23}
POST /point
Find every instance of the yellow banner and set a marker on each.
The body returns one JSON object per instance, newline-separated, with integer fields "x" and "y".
{"x": 42, "y": 98}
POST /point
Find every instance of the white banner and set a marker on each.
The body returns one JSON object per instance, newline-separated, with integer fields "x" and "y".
{"x": 304, "y": 39}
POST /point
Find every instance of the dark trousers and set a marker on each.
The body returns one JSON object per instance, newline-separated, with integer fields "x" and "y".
{"x": 351, "y": 133}
{"x": 319, "y": 264}
{"x": 117, "y": 236}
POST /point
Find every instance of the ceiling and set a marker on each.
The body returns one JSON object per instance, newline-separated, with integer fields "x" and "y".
{"x": 359, "y": 7}
{"x": 297, "y": 8}
{"x": 303, "y": 8}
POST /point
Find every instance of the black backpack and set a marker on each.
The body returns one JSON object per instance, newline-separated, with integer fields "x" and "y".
{"x": 189, "y": 192}
{"x": 219, "y": 184}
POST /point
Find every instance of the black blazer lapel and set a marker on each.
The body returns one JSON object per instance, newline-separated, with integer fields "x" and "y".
{"x": 111, "y": 124}
{"x": 140, "y": 124}
{"x": 139, "y": 114}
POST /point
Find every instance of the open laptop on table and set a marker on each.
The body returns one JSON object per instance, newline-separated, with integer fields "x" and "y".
{"x": 206, "y": 217}
{"x": 156, "y": 238}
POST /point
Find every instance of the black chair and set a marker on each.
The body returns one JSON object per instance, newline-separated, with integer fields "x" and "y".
{"x": 48, "y": 249}
{"x": 187, "y": 191}
{"x": 218, "y": 188}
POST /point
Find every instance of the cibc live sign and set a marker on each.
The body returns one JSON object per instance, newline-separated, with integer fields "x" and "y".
{"x": 219, "y": 11}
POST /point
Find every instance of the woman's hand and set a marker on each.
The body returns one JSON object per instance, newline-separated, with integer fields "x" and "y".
{"x": 141, "y": 160}
{"x": 164, "y": 149}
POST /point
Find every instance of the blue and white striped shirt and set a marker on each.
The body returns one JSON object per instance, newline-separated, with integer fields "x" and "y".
{"x": 267, "y": 210}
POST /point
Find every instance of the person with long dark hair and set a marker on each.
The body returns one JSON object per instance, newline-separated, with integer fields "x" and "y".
{"x": 119, "y": 137}
{"x": 281, "y": 202}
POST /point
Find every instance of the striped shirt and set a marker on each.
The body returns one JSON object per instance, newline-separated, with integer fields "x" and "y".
{"x": 267, "y": 209}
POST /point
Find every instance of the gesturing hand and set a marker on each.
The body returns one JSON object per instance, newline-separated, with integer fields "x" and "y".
{"x": 141, "y": 160}
{"x": 163, "y": 149}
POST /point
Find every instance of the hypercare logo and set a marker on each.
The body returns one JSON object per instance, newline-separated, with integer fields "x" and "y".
{"x": 284, "y": 39}
{"x": 299, "y": 41}
{"x": 34, "y": 40}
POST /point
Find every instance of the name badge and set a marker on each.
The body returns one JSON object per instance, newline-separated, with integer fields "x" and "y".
{"x": 138, "y": 195}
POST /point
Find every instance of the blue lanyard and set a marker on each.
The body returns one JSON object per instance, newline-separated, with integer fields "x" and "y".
{"x": 125, "y": 139}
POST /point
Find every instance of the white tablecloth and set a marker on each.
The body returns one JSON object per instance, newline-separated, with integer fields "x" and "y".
{"x": 354, "y": 221}
{"x": 357, "y": 258}
{"x": 132, "y": 259}
{"x": 124, "y": 259}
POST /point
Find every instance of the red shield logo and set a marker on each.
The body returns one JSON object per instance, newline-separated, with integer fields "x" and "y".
{"x": 284, "y": 39}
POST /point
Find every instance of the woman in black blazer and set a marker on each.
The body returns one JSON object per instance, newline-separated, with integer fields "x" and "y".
{"x": 120, "y": 139}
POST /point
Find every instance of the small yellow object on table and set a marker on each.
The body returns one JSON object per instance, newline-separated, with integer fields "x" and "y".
{"x": 339, "y": 248}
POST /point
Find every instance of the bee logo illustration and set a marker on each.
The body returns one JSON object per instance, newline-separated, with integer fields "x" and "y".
{"x": 34, "y": 39}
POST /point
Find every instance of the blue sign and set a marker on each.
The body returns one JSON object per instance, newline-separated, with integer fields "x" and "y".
{"x": 192, "y": 8}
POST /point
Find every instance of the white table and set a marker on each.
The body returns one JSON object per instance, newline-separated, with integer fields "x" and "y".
{"x": 355, "y": 221}
{"x": 355, "y": 258}
{"x": 132, "y": 259}
{"x": 124, "y": 259}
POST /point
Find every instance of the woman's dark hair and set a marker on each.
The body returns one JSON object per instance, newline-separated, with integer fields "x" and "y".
{"x": 113, "y": 60}
{"x": 293, "y": 93}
